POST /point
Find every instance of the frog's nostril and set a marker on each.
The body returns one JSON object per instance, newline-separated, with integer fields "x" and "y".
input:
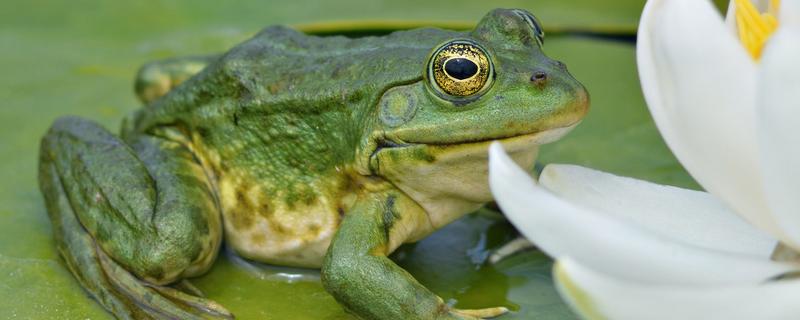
{"x": 539, "y": 78}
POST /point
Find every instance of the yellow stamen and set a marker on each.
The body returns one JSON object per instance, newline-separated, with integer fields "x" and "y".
{"x": 774, "y": 7}
{"x": 755, "y": 27}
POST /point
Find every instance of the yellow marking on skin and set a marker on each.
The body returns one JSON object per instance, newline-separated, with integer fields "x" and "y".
{"x": 299, "y": 233}
{"x": 755, "y": 28}
{"x": 291, "y": 235}
{"x": 258, "y": 238}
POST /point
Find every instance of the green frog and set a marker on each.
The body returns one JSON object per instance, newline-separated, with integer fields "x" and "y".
{"x": 303, "y": 151}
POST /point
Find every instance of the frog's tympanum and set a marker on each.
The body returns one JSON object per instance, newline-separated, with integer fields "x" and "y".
{"x": 305, "y": 151}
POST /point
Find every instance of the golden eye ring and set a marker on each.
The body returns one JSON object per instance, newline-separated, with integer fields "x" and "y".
{"x": 460, "y": 69}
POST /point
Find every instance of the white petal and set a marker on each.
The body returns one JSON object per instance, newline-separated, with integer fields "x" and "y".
{"x": 613, "y": 246}
{"x": 730, "y": 18}
{"x": 700, "y": 84}
{"x": 693, "y": 217}
{"x": 790, "y": 12}
{"x": 595, "y": 295}
{"x": 779, "y": 121}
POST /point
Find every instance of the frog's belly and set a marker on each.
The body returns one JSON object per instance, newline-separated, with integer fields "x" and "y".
{"x": 277, "y": 233}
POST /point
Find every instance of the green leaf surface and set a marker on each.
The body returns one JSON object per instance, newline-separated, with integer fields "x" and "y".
{"x": 79, "y": 57}
{"x": 618, "y": 135}
{"x": 139, "y": 19}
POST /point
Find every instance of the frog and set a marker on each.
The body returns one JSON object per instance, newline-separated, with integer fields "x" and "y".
{"x": 301, "y": 151}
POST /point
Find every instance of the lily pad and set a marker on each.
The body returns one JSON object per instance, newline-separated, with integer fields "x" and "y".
{"x": 618, "y": 135}
{"x": 79, "y": 58}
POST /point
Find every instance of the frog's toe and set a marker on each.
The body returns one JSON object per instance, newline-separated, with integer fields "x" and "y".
{"x": 486, "y": 313}
{"x": 161, "y": 301}
{"x": 128, "y": 297}
{"x": 203, "y": 307}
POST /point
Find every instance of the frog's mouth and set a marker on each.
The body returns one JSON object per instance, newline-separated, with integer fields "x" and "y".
{"x": 389, "y": 148}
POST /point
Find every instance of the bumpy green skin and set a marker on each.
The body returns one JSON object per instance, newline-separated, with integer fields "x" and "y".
{"x": 299, "y": 150}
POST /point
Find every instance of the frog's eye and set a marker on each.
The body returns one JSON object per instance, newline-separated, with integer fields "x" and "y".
{"x": 533, "y": 23}
{"x": 460, "y": 68}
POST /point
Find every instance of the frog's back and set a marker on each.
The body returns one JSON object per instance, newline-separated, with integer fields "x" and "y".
{"x": 283, "y": 70}
{"x": 277, "y": 120}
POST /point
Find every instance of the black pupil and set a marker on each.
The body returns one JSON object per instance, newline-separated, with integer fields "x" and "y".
{"x": 460, "y": 68}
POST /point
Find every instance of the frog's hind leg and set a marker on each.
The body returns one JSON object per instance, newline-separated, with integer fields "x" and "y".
{"x": 130, "y": 219}
{"x": 156, "y": 78}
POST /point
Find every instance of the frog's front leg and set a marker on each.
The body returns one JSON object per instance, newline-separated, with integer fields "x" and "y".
{"x": 130, "y": 218}
{"x": 156, "y": 78}
{"x": 358, "y": 273}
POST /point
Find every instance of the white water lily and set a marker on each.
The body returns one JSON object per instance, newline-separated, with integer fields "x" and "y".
{"x": 726, "y": 98}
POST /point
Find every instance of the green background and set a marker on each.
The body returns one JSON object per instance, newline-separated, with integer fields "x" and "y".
{"x": 79, "y": 58}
